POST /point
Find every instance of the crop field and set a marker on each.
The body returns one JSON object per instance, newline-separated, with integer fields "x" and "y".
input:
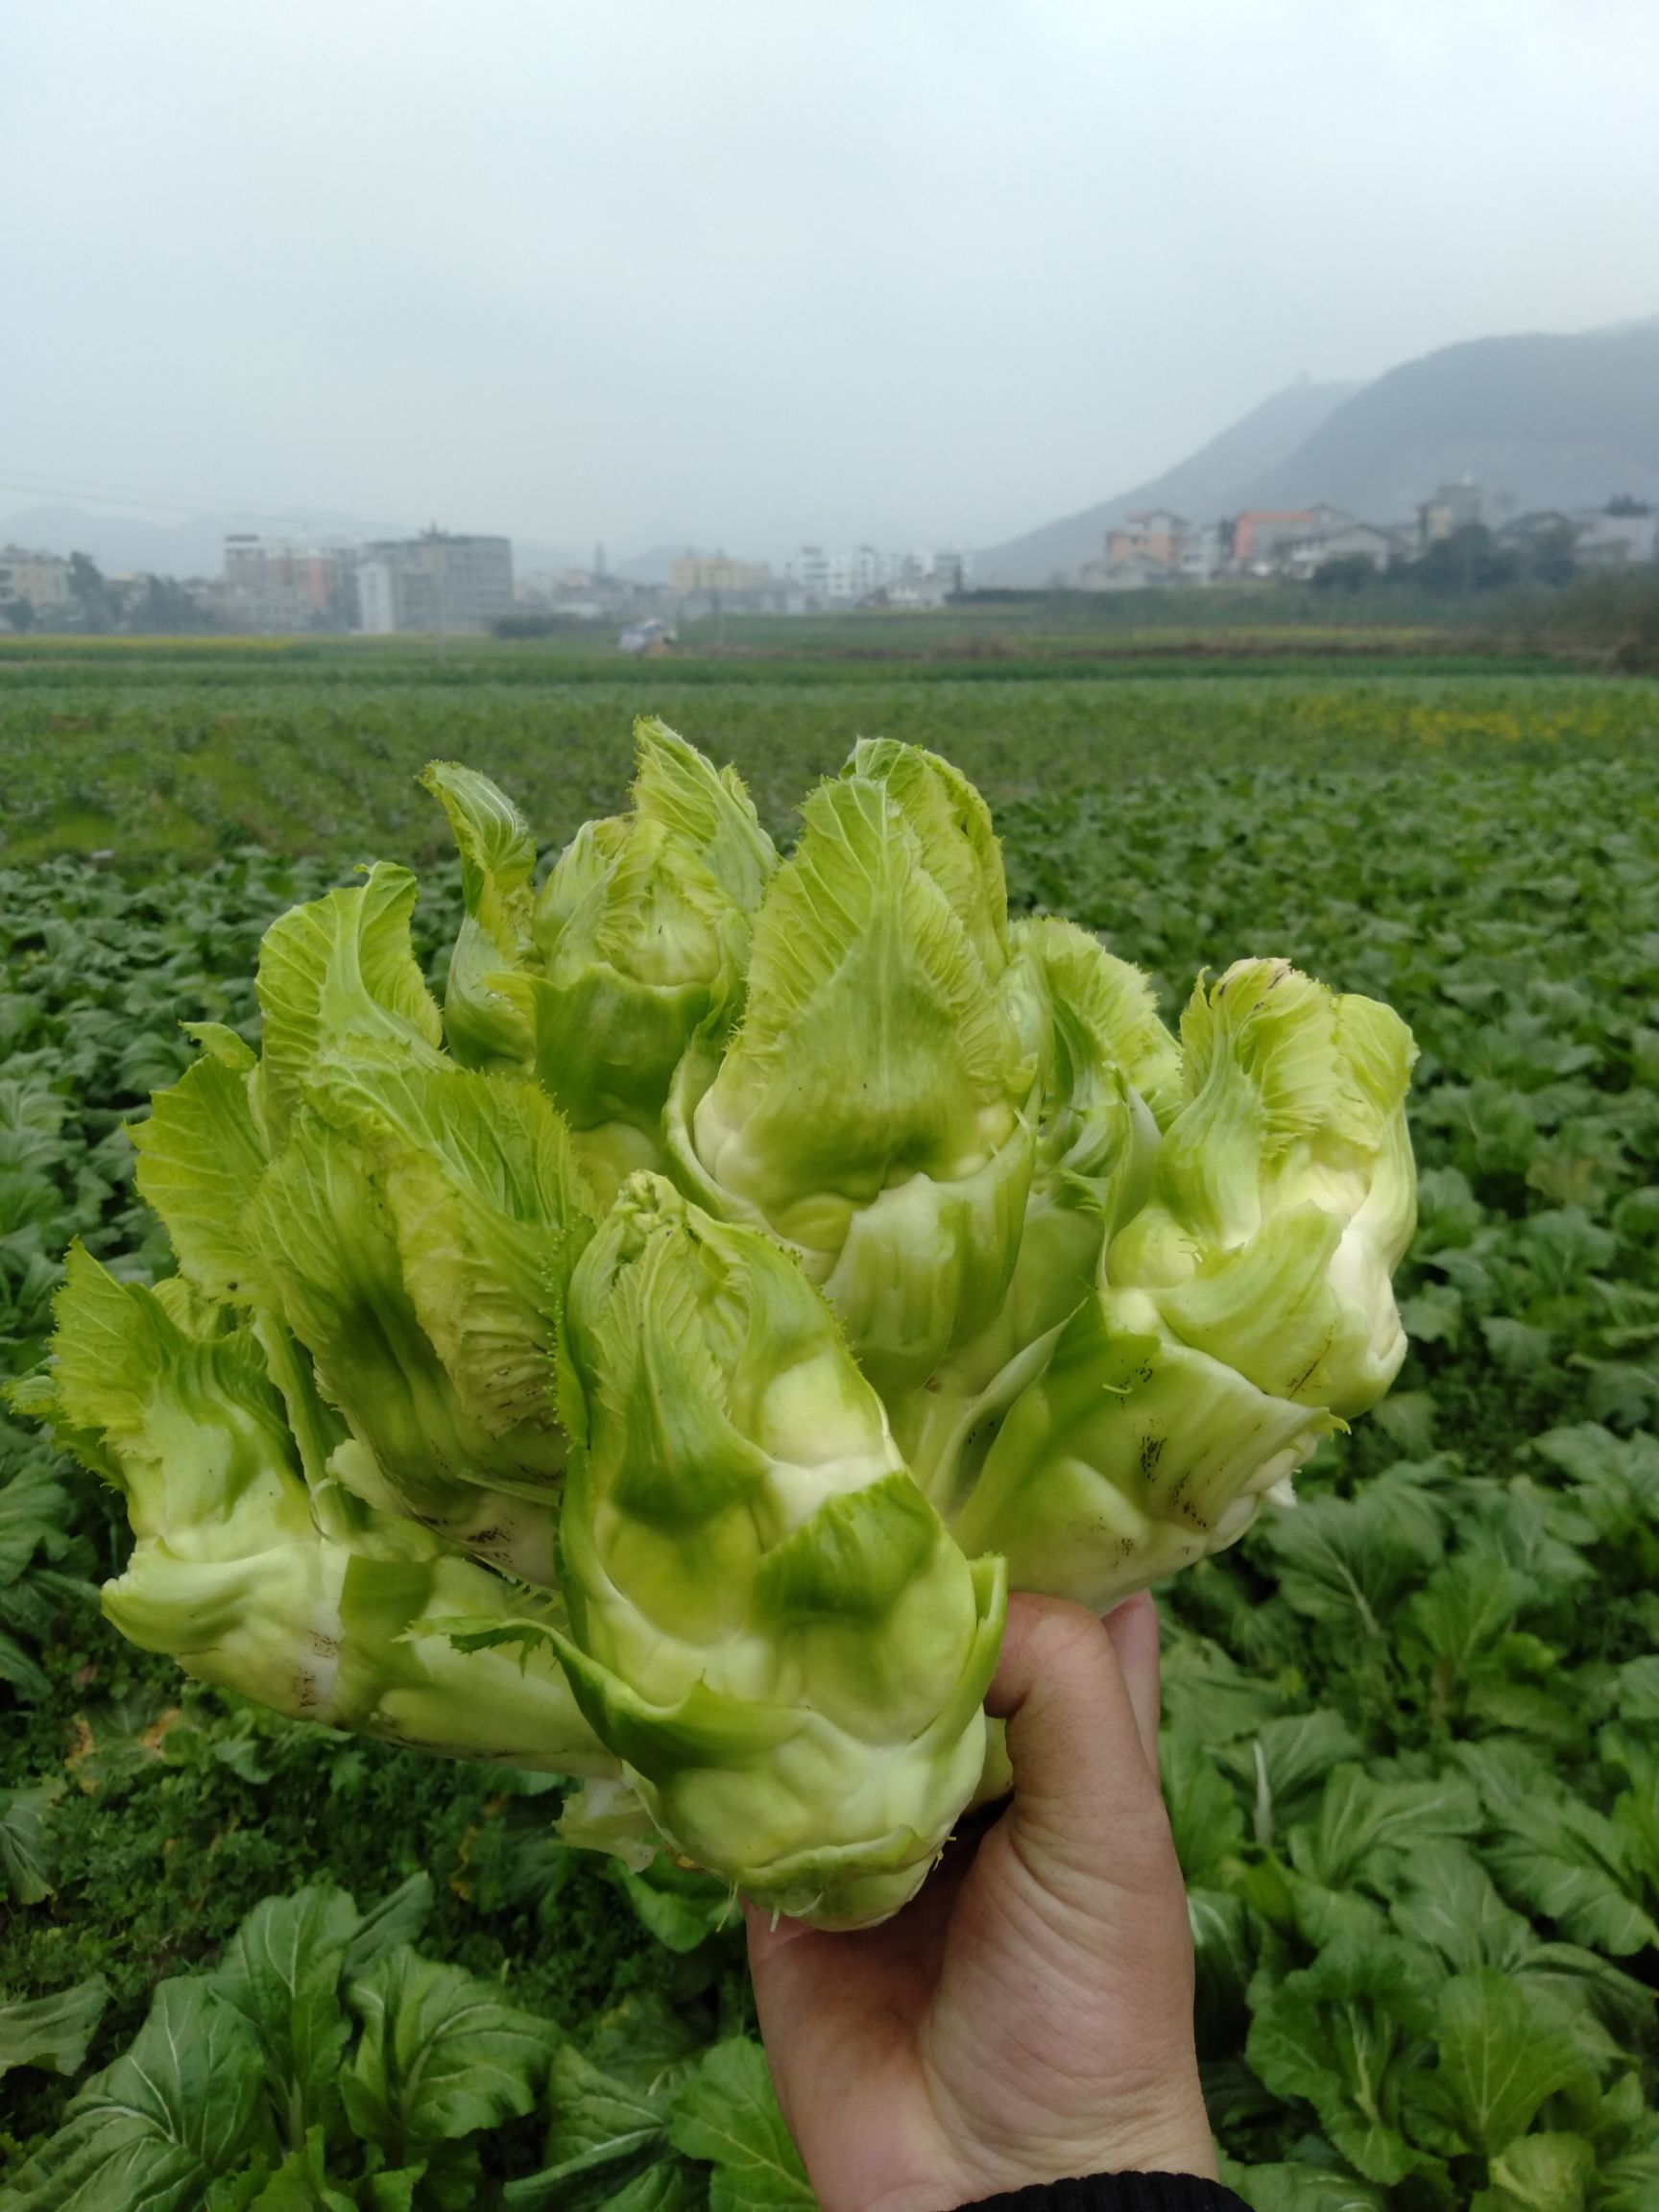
{"x": 1411, "y": 1728}
{"x": 149, "y": 753}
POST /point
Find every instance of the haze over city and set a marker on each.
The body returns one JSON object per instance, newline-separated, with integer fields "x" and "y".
{"x": 739, "y": 275}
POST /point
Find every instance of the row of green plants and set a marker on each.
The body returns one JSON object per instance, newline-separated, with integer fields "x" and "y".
{"x": 1412, "y": 1744}
{"x": 157, "y": 763}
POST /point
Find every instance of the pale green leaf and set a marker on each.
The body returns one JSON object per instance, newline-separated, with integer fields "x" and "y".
{"x": 728, "y": 2114}
{"x": 1361, "y": 1814}
{"x": 337, "y": 975}
{"x": 200, "y": 1155}
{"x": 1450, "y": 1905}
{"x": 1540, "y": 2173}
{"x": 181, "y": 2109}
{"x": 1353, "y": 2034}
{"x": 52, "y": 2032}
{"x": 440, "y": 2055}
{"x": 24, "y": 1865}
{"x": 1203, "y": 1806}
{"x": 281, "y": 1971}
{"x": 1504, "y": 2051}
{"x": 1301, "y": 2189}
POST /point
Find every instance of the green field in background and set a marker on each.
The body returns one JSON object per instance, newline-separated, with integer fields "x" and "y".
{"x": 1433, "y": 1681}
{"x": 149, "y": 750}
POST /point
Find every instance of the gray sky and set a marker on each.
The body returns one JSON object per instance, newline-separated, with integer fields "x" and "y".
{"x": 747, "y": 271}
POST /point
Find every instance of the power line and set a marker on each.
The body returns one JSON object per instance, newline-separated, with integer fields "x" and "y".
{"x": 185, "y": 503}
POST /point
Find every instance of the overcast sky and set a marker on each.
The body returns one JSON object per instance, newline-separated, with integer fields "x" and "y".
{"x": 743, "y": 271}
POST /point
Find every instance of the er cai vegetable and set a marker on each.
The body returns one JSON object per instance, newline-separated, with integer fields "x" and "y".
{"x": 769, "y": 1622}
{"x": 656, "y": 1362}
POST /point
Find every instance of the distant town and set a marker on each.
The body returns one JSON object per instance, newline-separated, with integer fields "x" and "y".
{"x": 440, "y": 581}
{"x": 1297, "y": 545}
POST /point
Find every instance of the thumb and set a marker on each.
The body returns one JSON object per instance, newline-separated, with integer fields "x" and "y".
{"x": 1082, "y": 1737}
{"x": 1133, "y": 1627}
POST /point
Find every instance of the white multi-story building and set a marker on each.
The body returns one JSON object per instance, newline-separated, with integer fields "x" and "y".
{"x": 438, "y": 581}
{"x": 1624, "y": 533}
{"x": 1200, "y": 558}
{"x": 808, "y": 569}
{"x": 830, "y": 579}
{"x": 1366, "y": 541}
{"x": 41, "y": 579}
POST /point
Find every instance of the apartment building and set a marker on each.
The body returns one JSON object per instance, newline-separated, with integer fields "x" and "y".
{"x": 41, "y": 579}
{"x": 438, "y": 581}
{"x": 822, "y": 578}
{"x": 1366, "y": 541}
{"x": 287, "y": 585}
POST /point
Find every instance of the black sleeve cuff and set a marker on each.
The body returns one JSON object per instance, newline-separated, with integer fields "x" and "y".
{"x": 1118, "y": 2192}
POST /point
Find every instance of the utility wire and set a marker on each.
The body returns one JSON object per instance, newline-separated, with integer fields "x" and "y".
{"x": 187, "y": 504}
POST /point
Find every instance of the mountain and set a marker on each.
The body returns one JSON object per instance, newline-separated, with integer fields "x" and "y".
{"x": 122, "y": 546}
{"x": 1206, "y": 484}
{"x": 1554, "y": 421}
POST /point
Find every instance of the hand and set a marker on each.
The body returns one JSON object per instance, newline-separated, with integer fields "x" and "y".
{"x": 1029, "y": 2015}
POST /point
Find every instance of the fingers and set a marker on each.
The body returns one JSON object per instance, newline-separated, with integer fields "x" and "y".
{"x": 1080, "y": 1699}
{"x": 1133, "y": 1627}
{"x": 769, "y": 1932}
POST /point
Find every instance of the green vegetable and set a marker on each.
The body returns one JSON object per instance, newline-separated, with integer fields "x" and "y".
{"x": 870, "y": 1109}
{"x": 769, "y": 1622}
{"x": 1239, "y": 1314}
{"x": 1494, "y": 1583}
{"x": 1128, "y": 1456}
{"x": 639, "y": 936}
{"x": 1108, "y": 1070}
{"x": 655, "y": 1366}
{"x": 309, "y": 1602}
{"x": 408, "y": 1219}
{"x": 326, "y": 2063}
{"x": 1283, "y": 1196}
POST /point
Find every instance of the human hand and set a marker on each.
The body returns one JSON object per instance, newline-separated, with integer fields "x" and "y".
{"x": 1029, "y": 2015}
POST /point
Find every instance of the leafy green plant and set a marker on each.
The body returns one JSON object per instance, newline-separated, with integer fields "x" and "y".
{"x": 39, "y": 1555}
{"x": 1481, "y": 851}
{"x": 326, "y": 2063}
{"x": 732, "y": 1175}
